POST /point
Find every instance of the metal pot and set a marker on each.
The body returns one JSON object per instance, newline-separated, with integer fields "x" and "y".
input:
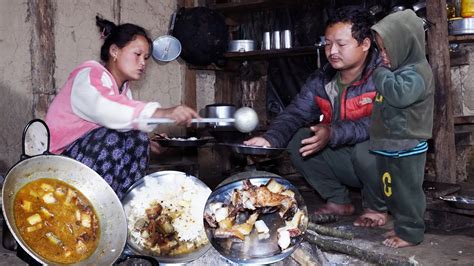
{"x": 241, "y": 46}
{"x": 220, "y": 111}
{"x": 113, "y": 225}
{"x": 460, "y": 26}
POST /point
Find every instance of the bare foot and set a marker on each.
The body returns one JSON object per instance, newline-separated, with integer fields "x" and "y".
{"x": 338, "y": 209}
{"x": 396, "y": 242}
{"x": 389, "y": 234}
{"x": 371, "y": 218}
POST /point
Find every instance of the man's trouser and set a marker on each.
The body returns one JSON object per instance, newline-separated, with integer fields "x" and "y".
{"x": 402, "y": 180}
{"x": 330, "y": 171}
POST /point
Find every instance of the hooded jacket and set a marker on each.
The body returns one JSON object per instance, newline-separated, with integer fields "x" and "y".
{"x": 352, "y": 124}
{"x": 402, "y": 115}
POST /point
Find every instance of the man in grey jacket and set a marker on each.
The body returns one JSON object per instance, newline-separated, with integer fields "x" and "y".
{"x": 326, "y": 126}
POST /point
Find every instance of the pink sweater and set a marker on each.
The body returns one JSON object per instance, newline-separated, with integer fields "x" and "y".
{"x": 91, "y": 99}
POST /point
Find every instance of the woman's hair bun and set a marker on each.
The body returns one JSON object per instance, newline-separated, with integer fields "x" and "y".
{"x": 105, "y": 26}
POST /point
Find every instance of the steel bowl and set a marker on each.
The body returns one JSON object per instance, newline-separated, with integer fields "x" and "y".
{"x": 254, "y": 250}
{"x": 165, "y": 178}
{"x": 241, "y": 46}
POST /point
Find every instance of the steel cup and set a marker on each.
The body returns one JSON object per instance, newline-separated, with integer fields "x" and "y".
{"x": 287, "y": 41}
{"x": 266, "y": 41}
{"x": 276, "y": 40}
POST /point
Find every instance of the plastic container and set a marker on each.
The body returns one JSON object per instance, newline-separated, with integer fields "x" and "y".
{"x": 467, "y": 8}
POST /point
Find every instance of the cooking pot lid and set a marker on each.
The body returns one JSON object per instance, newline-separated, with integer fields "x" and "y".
{"x": 166, "y": 48}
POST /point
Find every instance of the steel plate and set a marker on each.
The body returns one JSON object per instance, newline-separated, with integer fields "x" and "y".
{"x": 182, "y": 141}
{"x": 460, "y": 202}
{"x": 254, "y": 250}
{"x": 253, "y": 150}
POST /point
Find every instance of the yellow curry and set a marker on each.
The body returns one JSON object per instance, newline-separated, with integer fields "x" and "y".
{"x": 56, "y": 221}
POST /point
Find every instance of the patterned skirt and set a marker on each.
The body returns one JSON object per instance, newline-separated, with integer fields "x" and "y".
{"x": 121, "y": 158}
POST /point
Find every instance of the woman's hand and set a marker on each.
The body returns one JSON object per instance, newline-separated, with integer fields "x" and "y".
{"x": 181, "y": 114}
{"x": 313, "y": 144}
{"x": 258, "y": 141}
{"x": 155, "y": 147}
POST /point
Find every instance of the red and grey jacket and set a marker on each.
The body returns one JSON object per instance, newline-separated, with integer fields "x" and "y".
{"x": 352, "y": 124}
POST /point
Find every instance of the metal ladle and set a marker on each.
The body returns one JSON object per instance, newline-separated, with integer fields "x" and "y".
{"x": 245, "y": 120}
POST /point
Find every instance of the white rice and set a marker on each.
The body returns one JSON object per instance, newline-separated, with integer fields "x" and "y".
{"x": 179, "y": 193}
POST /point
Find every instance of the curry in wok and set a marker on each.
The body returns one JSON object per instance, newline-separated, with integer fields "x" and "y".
{"x": 56, "y": 221}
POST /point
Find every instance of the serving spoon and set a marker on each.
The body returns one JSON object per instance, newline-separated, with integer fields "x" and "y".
{"x": 245, "y": 120}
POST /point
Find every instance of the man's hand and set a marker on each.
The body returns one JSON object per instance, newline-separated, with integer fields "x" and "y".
{"x": 258, "y": 141}
{"x": 317, "y": 142}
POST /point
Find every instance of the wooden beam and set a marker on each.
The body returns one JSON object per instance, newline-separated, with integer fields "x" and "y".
{"x": 189, "y": 74}
{"x": 190, "y": 88}
{"x": 443, "y": 128}
{"x": 42, "y": 55}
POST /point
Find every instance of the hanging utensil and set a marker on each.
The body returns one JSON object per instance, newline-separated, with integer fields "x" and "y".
{"x": 167, "y": 48}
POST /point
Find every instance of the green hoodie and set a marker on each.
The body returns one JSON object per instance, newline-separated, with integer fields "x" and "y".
{"x": 402, "y": 115}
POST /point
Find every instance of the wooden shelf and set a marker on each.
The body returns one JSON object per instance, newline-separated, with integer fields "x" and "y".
{"x": 269, "y": 54}
{"x": 468, "y": 119}
{"x": 461, "y": 38}
{"x": 246, "y": 5}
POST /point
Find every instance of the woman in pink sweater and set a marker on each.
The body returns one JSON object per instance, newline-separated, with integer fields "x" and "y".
{"x": 94, "y": 118}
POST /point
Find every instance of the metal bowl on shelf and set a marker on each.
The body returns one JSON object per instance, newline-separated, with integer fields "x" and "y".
{"x": 241, "y": 46}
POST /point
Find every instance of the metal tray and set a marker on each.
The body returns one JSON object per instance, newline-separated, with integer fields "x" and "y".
{"x": 165, "y": 178}
{"x": 254, "y": 250}
{"x": 460, "y": 202}
{"x": 182, "y": 141}
{"x": 253, "y": 150}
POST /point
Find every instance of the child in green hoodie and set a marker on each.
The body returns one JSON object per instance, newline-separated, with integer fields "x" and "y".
{"x": 402, "y": 121}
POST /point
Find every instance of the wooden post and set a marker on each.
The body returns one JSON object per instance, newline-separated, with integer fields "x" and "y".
{"x": 42, "y": 55}
{"x": 443, "y": 128}
{"x": 189, "y": 97}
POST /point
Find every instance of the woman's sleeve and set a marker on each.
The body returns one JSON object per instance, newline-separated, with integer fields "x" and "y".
{"x": 94, "y": 99}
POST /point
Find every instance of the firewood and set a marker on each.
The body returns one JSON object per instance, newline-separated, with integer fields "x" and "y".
{"x": 330, "y": 231}
{"x": 323, "y": 218}
{"x": 365, "y": 255}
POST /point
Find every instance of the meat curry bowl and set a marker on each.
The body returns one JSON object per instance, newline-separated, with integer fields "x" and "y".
{"x": 36, "y": 191}
{"x": 257, "y": 220}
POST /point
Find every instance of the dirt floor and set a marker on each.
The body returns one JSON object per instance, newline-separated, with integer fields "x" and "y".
{"x": 441, "y": 247}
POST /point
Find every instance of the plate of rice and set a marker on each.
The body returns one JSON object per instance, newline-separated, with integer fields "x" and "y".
{"x": 164, "y": 213}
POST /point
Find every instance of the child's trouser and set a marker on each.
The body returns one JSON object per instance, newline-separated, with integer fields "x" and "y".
{"x": 402, "y": 180}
